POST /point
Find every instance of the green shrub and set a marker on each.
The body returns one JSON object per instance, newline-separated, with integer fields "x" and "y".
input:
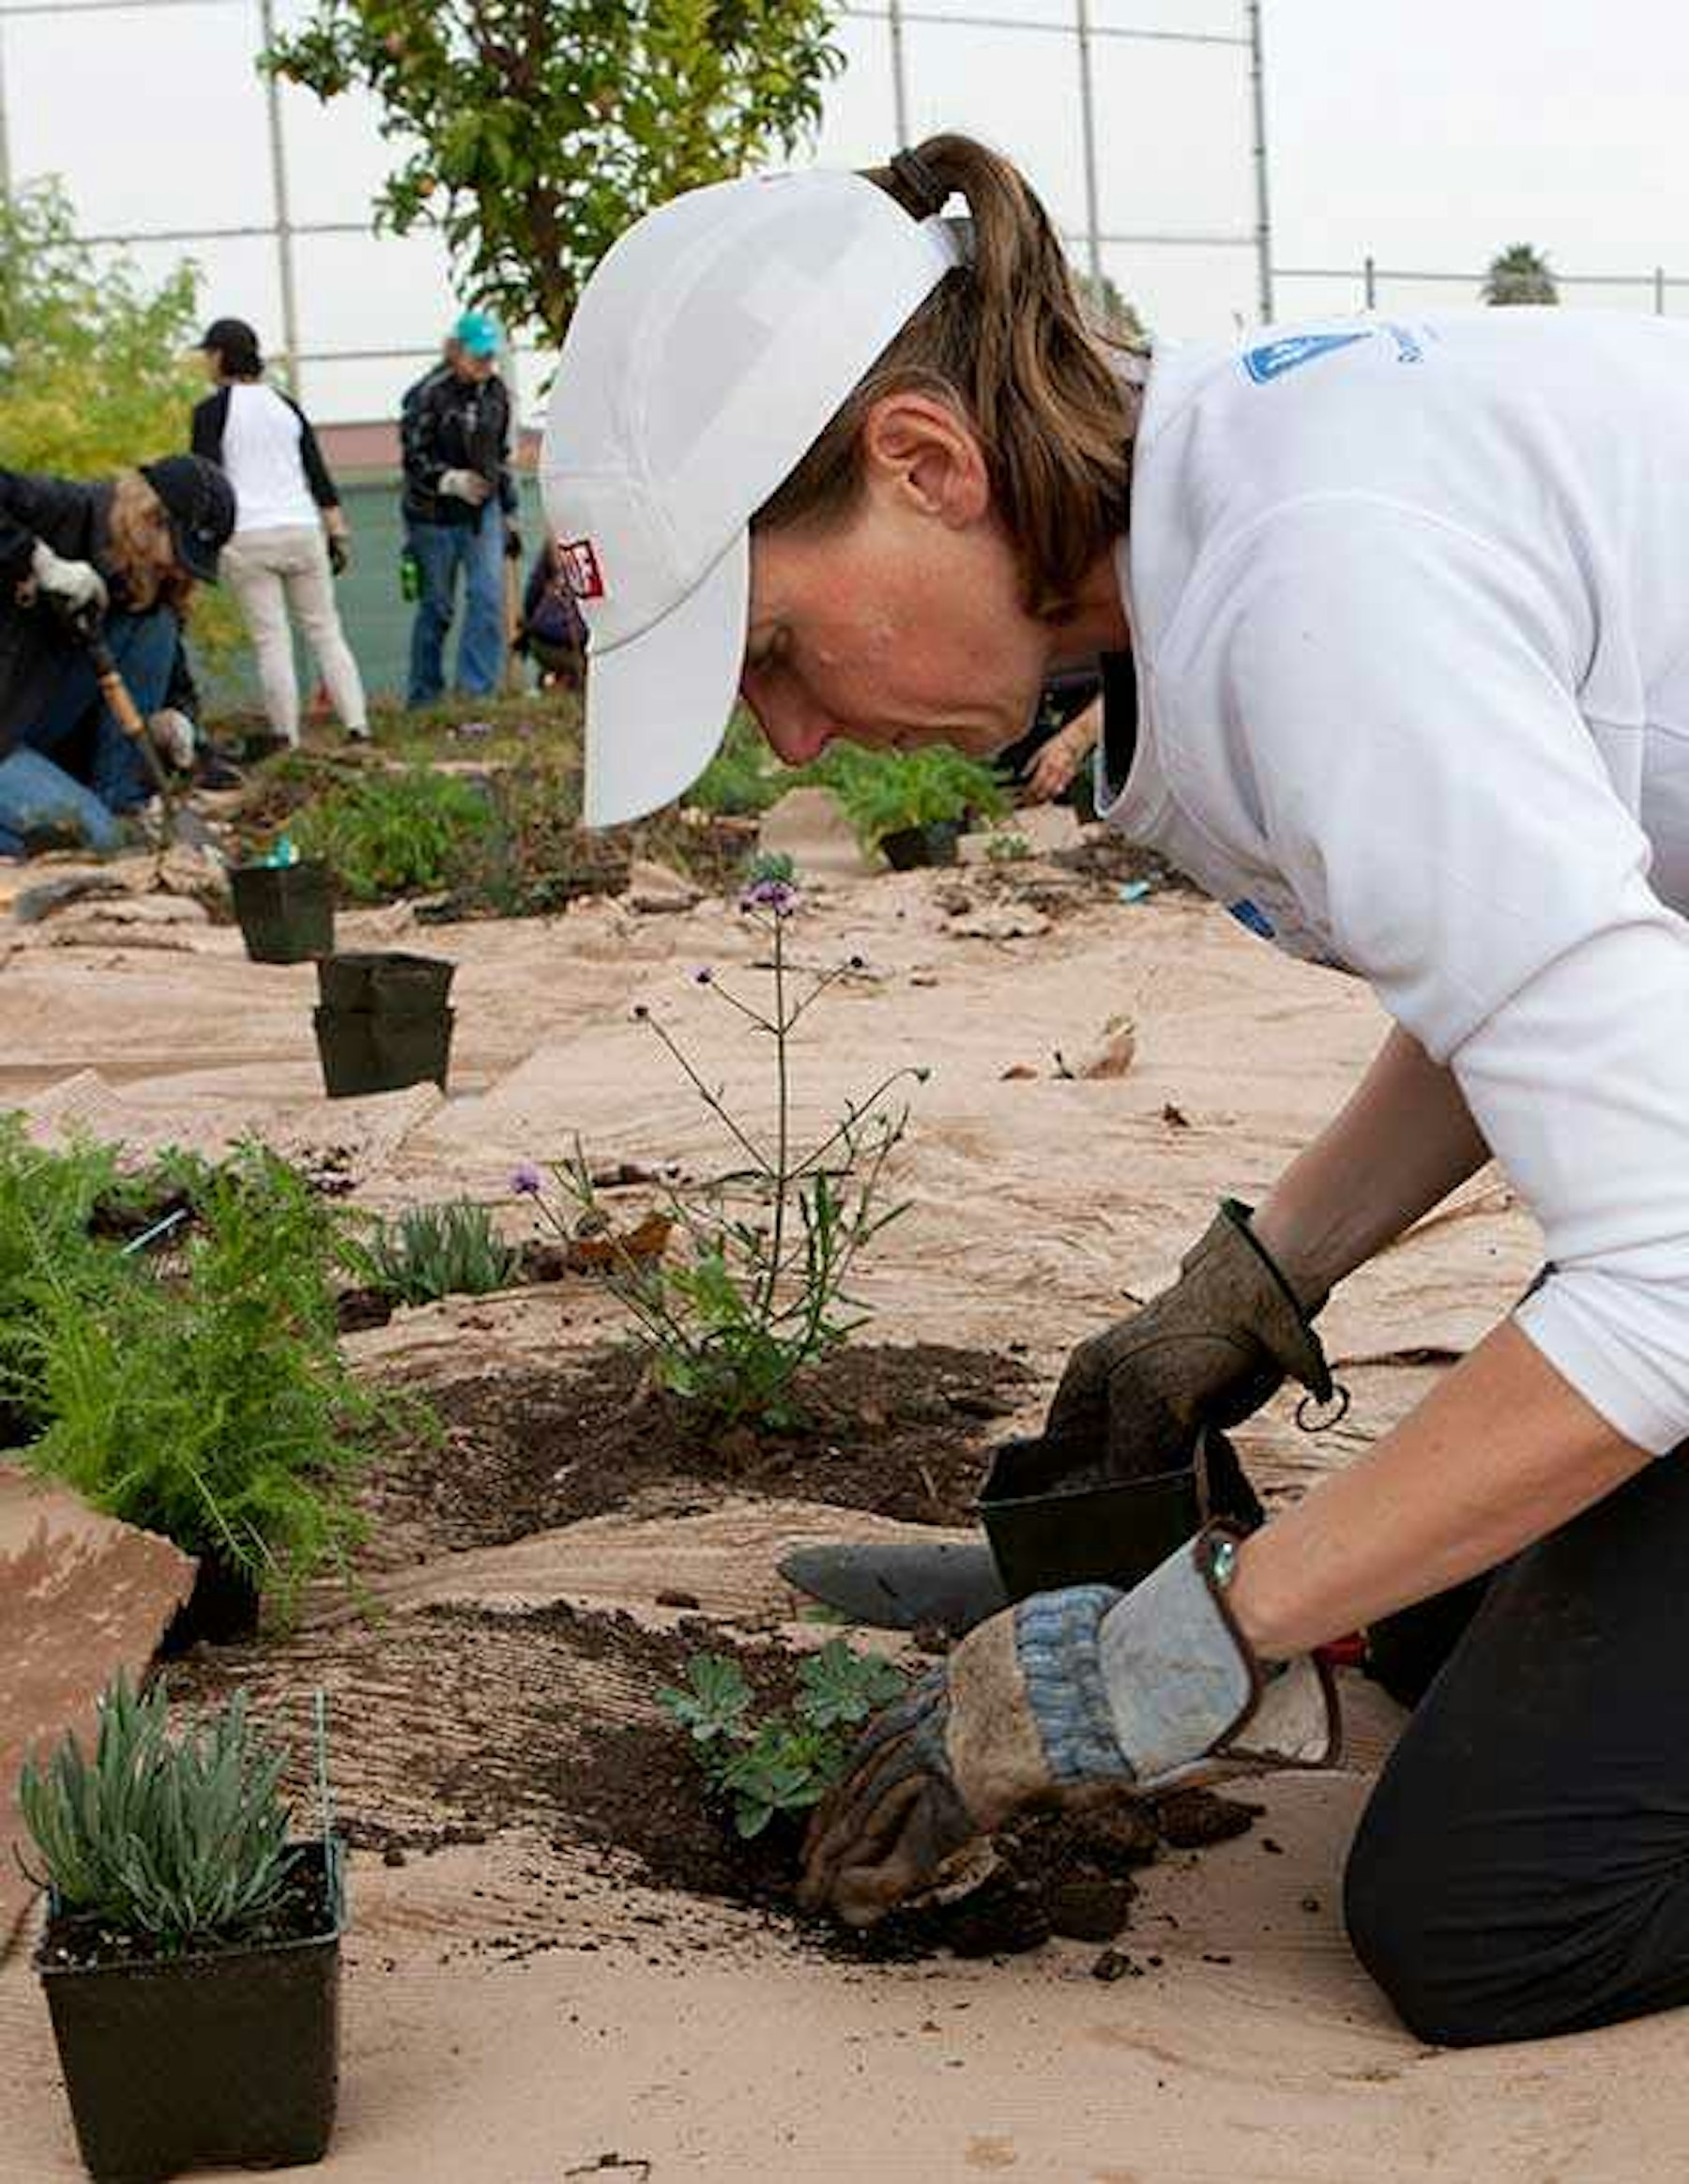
{"x": 182, "y": 1842}
{"x": 744, "y": 778}
{"x": 209, "y": 1401}
{"x": 431, "y": 1252}
{"x": 883, "y": 791}
{"x": 788, "y": 1759}
{"x": 408, "y": 830}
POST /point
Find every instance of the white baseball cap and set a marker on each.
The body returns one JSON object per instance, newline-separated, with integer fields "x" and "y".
{"x": 707, "y": 352}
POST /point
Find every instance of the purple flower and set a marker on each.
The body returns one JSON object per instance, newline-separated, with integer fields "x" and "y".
{"x": 777, "y": 896}
{"x": 527, "y": 1181}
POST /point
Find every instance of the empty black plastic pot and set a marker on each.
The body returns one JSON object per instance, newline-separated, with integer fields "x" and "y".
{"x": 935, "y": 844}
{"x": 1097, "y": 1531}
{"x": 230, "y": 2059}
{"x": 362, "y": 1051}
{"x": 286, "y": 912}
{"x": 387, "y": 983}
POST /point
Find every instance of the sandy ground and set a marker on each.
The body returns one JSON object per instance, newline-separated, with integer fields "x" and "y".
{"x": 511, "y": 2016}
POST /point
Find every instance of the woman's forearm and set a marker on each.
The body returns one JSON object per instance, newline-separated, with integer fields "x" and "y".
{"x": 1500, "y": 1453}
{"x": 1400, "y": 1144}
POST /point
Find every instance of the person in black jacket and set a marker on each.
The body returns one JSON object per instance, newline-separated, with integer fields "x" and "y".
{"x": 290, "y": 536}
{"x": 123, "y": 554}
{"x": 459, "y": 502}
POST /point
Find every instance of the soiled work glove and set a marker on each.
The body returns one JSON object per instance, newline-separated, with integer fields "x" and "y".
{"x": 75, "y": 588}
{"x": 1064, "y": 1696}
{"x": 466, "y": 485}
{"x": 1210, "y": 1349}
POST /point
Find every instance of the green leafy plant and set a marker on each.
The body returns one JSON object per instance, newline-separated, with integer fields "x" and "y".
{"x": 178, "y": 1841}
{"x": 759, "y": 1289}
{"x": 531, "y": 136}
{"x": 784, "y": 1760}
{"x": 1007, "y": 849}
{"x": 1519, "y": 274}
{"x": 884, "y": 791}
{"x": 407, "y": 831}
{"x": 431, "y": 1252}
{"x": 206, "y": 1398}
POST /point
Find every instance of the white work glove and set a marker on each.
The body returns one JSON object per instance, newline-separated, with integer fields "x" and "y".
{"x": 74, "y": 588}
{"x": 1068, "y": 1694}
{"x": 172, "y": 737}
{"x": 466, "y": 485}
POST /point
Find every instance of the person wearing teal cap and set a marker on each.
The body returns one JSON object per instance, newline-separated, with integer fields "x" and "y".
{"x": 460, "y": 509}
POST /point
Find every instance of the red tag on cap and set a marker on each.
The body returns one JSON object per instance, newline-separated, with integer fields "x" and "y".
{"x": 580, "y": 566}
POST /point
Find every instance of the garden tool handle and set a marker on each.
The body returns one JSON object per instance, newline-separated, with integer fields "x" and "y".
{"x": 120, "y": 703}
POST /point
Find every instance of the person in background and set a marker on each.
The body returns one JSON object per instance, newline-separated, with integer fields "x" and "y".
{"x": 552, "y": 633}
{"x": 119, "y": 557}
{"x": 460, "y": 505}
{"x": 290, "y": 533}
{"x": 1046, "y": 765}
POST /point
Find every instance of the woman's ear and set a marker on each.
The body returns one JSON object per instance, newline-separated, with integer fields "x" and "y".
{"x": 921, "y": 448}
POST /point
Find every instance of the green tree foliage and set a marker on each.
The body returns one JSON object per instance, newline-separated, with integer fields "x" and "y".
{"x": 93, "y": 367}
{"x": 1108, "y": 310}
{"x": 532, "y": 132}
{"x": 1520, "y": 274}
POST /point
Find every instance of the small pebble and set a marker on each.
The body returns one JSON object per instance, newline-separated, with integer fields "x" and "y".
{"x": 1114, "y": 1964}
{"x": 392, "y": 1855}
{"x": 1215, "y": 1957}
{"x": 673, "y": 1597}
{"x": 1273, "y": 1849}
{"x": 1310, "y": 1903}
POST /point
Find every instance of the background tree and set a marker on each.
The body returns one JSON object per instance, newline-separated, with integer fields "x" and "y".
{"x": 1107, "y": 310}
{"x": 94, "y": 365}
{"x": 532, "y": 131}
{"x": 1520, "y": 275}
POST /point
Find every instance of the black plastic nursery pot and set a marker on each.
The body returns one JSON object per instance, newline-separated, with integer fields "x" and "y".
{"x": 223, "y": 1608}
{"x": 1111, "y": 1533}
{"x": 384, "y": 1022}
{"x": 231, "y": 2058}
{"x": 907, "y": 848}
{"x": 286, "y": 911}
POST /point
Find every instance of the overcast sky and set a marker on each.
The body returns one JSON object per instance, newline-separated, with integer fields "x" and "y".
{"x": 1429, "y": 135}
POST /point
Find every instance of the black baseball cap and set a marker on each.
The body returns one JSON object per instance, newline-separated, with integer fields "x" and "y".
{"x": 236, "y": 343}
{"x": 199, "y": 503}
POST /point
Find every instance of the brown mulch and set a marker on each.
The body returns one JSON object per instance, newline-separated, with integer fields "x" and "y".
{"x": 901, "y": 1430}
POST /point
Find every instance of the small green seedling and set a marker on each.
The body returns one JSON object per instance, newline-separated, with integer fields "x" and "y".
{"x": 787, "y": 1761}
{"x": 429, "y": 1252}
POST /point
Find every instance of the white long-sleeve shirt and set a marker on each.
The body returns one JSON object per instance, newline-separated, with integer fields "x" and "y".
{"x": 1410, "y": 610}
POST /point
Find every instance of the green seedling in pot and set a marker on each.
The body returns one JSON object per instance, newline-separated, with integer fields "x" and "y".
{"x": 883, "y": 792}
{"x": 178, "y": 1843}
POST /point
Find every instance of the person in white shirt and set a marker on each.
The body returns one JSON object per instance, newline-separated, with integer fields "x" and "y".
{"x": 1394, "y": 639}
{"x": 291, "y": 539}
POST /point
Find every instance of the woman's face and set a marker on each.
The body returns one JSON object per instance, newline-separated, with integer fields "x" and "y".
{"x": 901, "y": 624}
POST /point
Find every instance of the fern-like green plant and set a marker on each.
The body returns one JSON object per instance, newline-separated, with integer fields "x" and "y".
{"x": 180, "y": 1841}
{"x": 429, "y": 1252}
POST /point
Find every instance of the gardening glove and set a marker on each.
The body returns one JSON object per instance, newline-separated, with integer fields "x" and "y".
{"x": 466, "y": 485}
{"x": 339, "y": 552}
{"x": 1211, "y": 1350}
{"x": 172, "y": 737}
{"x": 1066, "y": 1697}
{"x": 74, "y": 589}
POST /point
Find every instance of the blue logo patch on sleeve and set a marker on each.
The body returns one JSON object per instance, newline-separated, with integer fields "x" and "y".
{"x": 1250, "y": 915}
{"x": 1272, "y": 360}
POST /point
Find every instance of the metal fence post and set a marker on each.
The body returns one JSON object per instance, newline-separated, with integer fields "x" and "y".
{"x": 900, "y": 81}
{"x": 1087, "y": 134}
{"x": 1258, "y": 97}
{"x": 1659, "y": 291}
{"x": 1369, "y": 274}
{"x": 285, "y": 234}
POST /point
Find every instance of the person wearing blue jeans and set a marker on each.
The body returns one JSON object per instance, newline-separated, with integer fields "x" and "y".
{"x": 119, "y": 559}
{"x": 477, "y": 549}
{"x": 460, "y": 505}
{"x": 37, "y": 794}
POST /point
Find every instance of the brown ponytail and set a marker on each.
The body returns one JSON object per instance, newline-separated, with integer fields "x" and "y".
{"x": 1006, "y": 340}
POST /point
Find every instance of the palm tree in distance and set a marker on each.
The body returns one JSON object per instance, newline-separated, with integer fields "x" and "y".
{"x": 1520, "y": 275}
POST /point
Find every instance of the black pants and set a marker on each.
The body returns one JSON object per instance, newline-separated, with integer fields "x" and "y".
{"x": 1523, "y": 1867}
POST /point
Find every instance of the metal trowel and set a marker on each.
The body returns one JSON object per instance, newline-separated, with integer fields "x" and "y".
{"x": 948, "y": 1585}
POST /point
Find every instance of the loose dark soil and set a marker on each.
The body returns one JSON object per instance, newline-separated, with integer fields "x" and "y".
{"x": 900, "y": 1430}
{"x": 303, "y": 1911}
{"x": 472, "y": 1720}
